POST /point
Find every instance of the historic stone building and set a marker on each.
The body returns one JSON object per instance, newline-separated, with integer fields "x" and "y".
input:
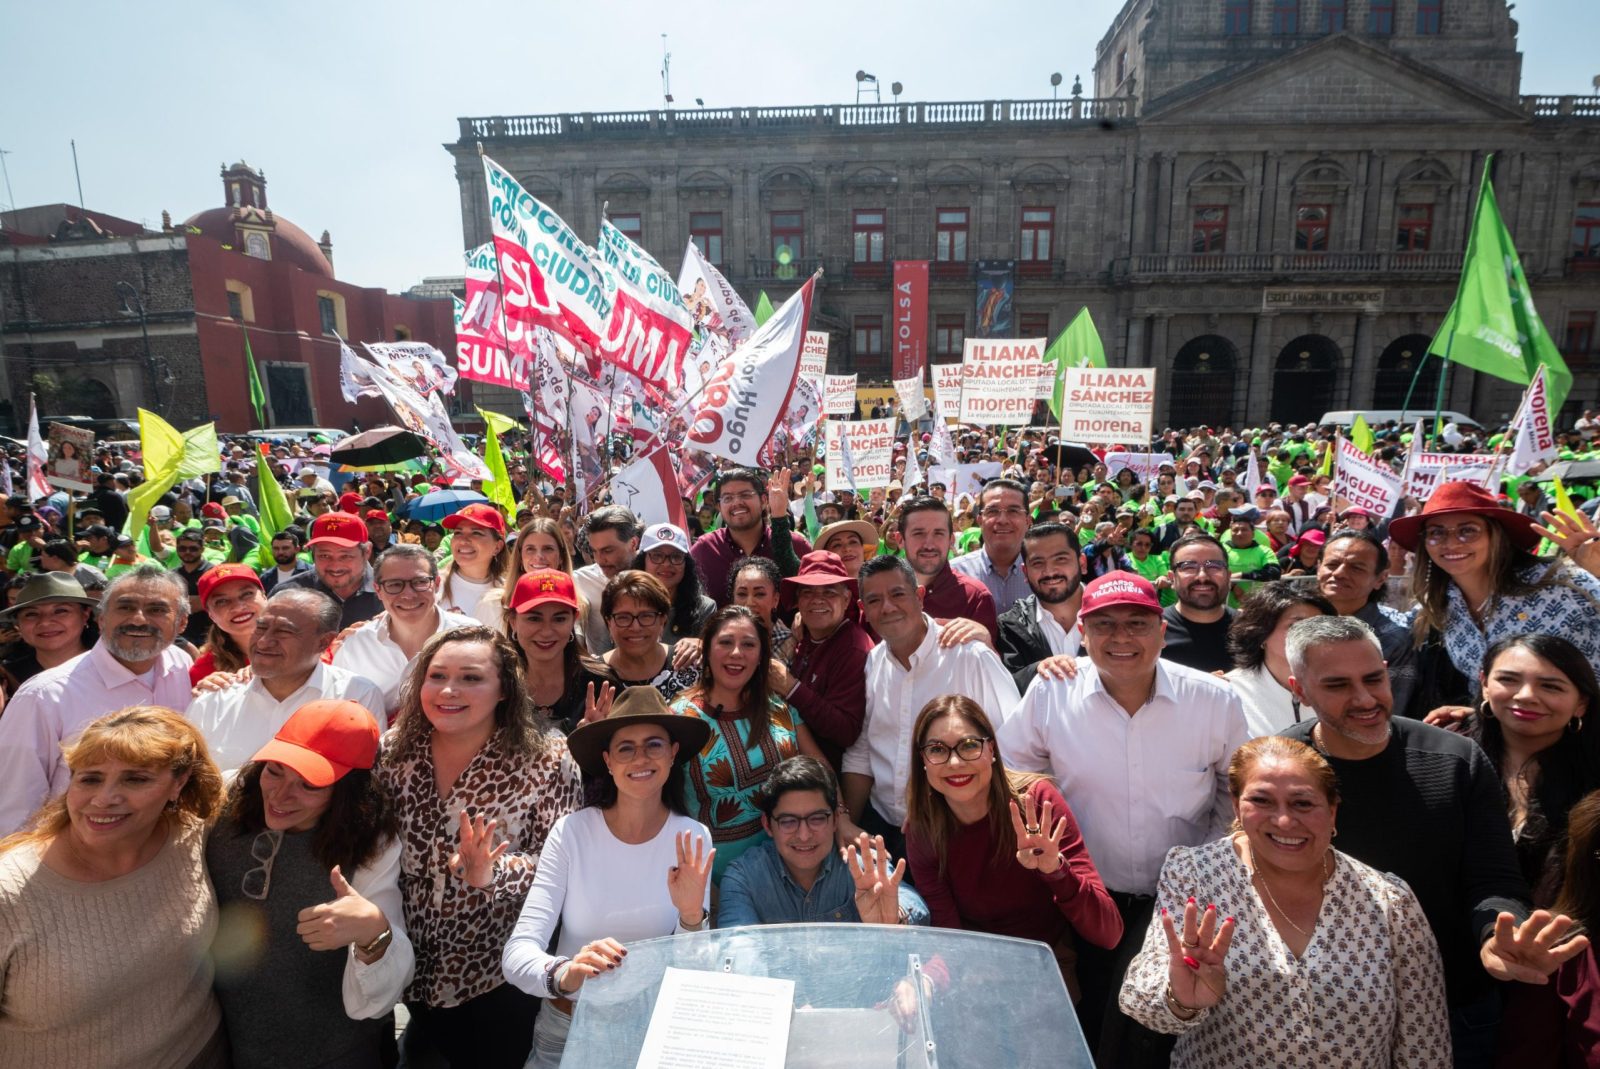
{"x": 1267, "y": 200}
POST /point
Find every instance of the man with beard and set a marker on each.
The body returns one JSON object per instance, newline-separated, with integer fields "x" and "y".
{"x": 925, "y": 534}
{"x": 340, "y": 554}
{"x": 286, "y": 562}
{"x": 1184, "y": 519}
{"x": 1426, "y": 805}
{"x": 1197, "y": 626}
{"x": 1045, "y": 623}
{"x": 741, "y": 496}
{"x": 135, "y": 662}
{"x": 1003, "y": 515}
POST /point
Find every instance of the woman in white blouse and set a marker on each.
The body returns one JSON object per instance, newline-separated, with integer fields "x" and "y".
{"x": 1260, "y": 675}
{"x": 1271, "y": 948}
{"x": 595, "y": 876}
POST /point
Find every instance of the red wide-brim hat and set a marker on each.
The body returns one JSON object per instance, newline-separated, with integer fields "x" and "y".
{"x": 1459, "y": 498}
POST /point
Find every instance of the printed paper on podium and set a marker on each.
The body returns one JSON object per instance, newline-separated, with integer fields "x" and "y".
{"x": 715, "y": 1020}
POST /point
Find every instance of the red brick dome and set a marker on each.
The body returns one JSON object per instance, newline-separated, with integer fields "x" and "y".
{"x": 288, "y": 243}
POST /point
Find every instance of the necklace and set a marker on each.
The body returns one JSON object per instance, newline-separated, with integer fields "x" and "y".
{"x": 1327, "y": 868}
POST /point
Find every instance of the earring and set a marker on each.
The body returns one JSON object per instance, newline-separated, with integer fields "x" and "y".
{"x": 1484, "y": 710}
{"x": 1334, "y": 834}
{"x": 172, "y": 805}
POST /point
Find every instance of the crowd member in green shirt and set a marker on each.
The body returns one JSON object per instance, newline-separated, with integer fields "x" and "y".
{"x": 234, "y": 507}
{"x": 1154, "y": 566}
{"x": 126, "y": 558}
{"x": 23, "y": 558}
{"x": 1249, "y": 562}
{"x": 98, "y": 543}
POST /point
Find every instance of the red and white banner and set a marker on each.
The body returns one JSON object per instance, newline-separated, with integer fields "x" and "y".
{"x": 947, "y": 389}
{"x": 913, "y": 401}
{"x": 814, "y": 360}
{"x": 1360, "y": 480}
{"x": 910, "y": 318}
{"x": 840, "y": 399}
{"x": 650, "y": 330}
{"x": 38, "y": 455}
{"x": 1108, "y": 406}
{"x": 1536, "y": 441}
{"x": 413, "y": 378}
{"x": 649, "y": 489}
{"x": 748, "y": 394}
{"x": 480, "y": 359}
{"x": 721, "y": 319}
{"x": 1144, "y": 465}
{"x": 860, "y": 453}
{"x": 1001, "y": 380}
{"x": 1426, "y": 471}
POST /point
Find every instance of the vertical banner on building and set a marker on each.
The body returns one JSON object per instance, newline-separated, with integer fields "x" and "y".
{"x": 1000, "y": 380}
{"x": 947, "y": 389}
{"x": 868, "y": 447}
{"x": 840, "y": 399}
{"x": 910, "y": 318}
{"x": 996, "y": 284}
{"x": 1108, "y": 406}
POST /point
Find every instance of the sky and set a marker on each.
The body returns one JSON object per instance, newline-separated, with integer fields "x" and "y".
{"x": 346, "y": 105}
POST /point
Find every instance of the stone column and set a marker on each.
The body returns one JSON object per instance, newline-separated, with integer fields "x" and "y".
{"x": 1164, "y": 206}
{"x": 1363, "y": 364}
{"x": 1258, "y": 399}
{"x": 1266, "y": 235}
{"x": 1160, "y": 358}
{"x": 1145, "y": 184}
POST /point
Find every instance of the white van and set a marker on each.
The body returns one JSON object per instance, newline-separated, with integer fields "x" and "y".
{"x": 1405, "y": 417}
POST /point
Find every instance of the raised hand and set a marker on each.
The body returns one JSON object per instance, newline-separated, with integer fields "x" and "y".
{"x": 592, "y": 959}
{"x": 1532, "y": 950}
{"x": 877, "y": 885}
{"x": 597, "y": 702}
{"x": 1196, "y": 974}
{"x": 686, "y": 881}
{"x": 1579, "y": 538}
{"x": 349, "y": 918}
{"x": 778, "y": 492}
{"x": 1038, "y": 841}
{"x": 476, "y": 851}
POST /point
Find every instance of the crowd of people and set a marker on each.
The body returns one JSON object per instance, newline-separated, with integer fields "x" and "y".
{"x": 1279, "y": 781}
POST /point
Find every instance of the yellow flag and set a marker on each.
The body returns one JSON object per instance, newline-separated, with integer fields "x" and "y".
{"x": 162, "y": 448}
{"x": 201, "y": 454}
{"x": 1327, "y": 457}
{"x": 1361, "y": 435}
{"x": 1564, "y": 503}
{"x": 499, "y": 488}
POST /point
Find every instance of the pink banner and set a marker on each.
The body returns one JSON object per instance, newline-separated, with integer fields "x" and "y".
{"x": 910, "y": 318}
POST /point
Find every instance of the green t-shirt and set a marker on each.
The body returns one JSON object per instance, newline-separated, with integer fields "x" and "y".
{"x": 22, "y": 559}
{"x": 969, "y": 540}
{"x": 1152, "y": 568}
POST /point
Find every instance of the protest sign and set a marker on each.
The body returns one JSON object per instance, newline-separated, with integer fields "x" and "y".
{"x": 1108, "y": 405}
{"x": 1361, "y": 480}
{"x": 814, "y": 360}
{"x": 1144, "y": 465}
{"x": 840, "y": 399}
{"x": 1000, "y": 380}
{"x": 913, "y": 401}
{"x": 69, "y": 451}
{"x": 1536, "y": 442}
{"x": 963, "y": 478}
{"x": 947, "y": 389}
{"x": 869, "y": 445}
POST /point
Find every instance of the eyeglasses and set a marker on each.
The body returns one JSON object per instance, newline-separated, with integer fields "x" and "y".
{"x": 1192, "y": 568}
{"x": 1141, "y": 627}
{"x": 654, "y": 750}
{"x": 659, "y": 557}
{"x": 398, "y": 586}
{"x": 737, "y": 496}
{"x": 1466, "y": 534}
{"x": 628, "y": 619}
{"x": 789, "y": 822}
{"x": 1013, "y": 511}
{"x": 264, "y": 849}
{"x": 968, "y": 749}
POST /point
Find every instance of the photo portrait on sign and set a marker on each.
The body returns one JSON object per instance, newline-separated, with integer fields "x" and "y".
{"x": 69, "y": 452}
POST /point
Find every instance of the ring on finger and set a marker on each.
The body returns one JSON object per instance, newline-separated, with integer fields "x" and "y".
{"x": 1032, "y": 829}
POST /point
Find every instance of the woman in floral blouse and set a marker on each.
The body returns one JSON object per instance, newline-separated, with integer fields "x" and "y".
{"x": 1271, "y": 948}
{"x": 478, "y": 783}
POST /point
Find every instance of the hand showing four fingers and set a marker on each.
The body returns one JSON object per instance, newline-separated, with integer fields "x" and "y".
{"x": 476, "y": 850}
{"x": 1038, "y": 841}
{"x": 1196, "y": 974}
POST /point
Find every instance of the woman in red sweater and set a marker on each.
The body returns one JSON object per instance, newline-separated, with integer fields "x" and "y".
{"x": 998, "y": 851}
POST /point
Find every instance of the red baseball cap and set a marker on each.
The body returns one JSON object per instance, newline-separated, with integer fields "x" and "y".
{"x": 375, "y": 514}
{"x": 337, "y": 529}
{"x": 324, "y": 740}
{"x": 350, "y": 502}
{"x": 214, "y": 510}
{"x": 225, "y": 573}
{"x": 480, "y": 513}
{"x": 541, "y": 586}
{"x": 1299, "y": 480}
{"x": 1119, "y": 588}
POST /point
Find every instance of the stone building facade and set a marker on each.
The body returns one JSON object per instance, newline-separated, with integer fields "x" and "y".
{"x": 1267, "y": 200}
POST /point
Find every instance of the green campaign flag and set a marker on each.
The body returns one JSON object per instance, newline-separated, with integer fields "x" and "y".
{"x": 1077, "y": 346}
{"x": 499, "y": 489}
{"x": 764, "y": 308}
{"x": 1361, "y": 435}
{"x": 273, "y": 504}
{"x": 258, "y": 396}
{"x": 1493, "y": 326}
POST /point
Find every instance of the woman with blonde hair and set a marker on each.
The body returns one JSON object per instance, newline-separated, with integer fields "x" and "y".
{"x": 471, "y": 580}
{"x": 998, "y": 851}
{"x": 106, "y": 914}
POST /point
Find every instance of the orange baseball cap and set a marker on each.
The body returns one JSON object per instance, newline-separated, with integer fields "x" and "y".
{"x": 324, "y": 740}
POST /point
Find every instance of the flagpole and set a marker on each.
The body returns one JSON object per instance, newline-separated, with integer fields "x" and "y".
{"x": 1461, "y": 283}
{"x": 500, "y": 309}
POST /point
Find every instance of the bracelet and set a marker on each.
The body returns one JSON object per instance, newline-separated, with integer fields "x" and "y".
{"x": 1178, "y": 1009}
{"x": 378, "y": 943}
{"x": 697, "y": 925}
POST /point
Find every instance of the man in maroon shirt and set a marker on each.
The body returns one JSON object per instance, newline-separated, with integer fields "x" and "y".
{"x": 828, "y": 684}
{"x": 741, "y": 496}
{"x": 926, "y": 533}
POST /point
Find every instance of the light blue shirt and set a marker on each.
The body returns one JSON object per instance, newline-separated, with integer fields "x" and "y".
{"x": 1007, "y": 589}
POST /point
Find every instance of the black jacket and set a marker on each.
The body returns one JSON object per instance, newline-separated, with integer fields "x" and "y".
{"x": 1022, "y": 644}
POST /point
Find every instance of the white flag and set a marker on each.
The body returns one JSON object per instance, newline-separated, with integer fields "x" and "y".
{"x": 38, "y": 456}
{"x": 721, "y": 318}
{"x": 648, "y": 488}
{"x": 1536, "y": 442}
{"x": 1252, "y": 474}
{"x": 747, "y": 395}
{"x": 913, "y": 475}
{"x": 913, "y": 402}
{"x": 942, "y": 447}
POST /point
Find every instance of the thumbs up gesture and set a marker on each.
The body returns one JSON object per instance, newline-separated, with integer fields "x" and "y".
{"x": 347, "y": 919}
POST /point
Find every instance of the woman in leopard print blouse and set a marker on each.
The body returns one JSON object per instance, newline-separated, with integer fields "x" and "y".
{"x": 478, "y": 783}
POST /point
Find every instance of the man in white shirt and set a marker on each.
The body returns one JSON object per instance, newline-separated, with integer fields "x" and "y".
{"x": 407, "y": 580}
{"x": 141, "y": 614}
{"x": 613, "y": 534}
{"x": 1139, "y": 748}
{"x": 286, "y": 672}
{"x": 906, "y": 671}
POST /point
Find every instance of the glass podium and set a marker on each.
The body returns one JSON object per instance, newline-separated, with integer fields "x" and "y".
{"x": 866, "y": 996}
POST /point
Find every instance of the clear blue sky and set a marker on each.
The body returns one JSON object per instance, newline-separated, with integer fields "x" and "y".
{"x": 345, "y": 104}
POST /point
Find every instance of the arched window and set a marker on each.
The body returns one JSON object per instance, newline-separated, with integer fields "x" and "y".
{"x": 1303, "y": 382}
{"x": 1405, "y": 360}
{"x": 1203, "y": 374}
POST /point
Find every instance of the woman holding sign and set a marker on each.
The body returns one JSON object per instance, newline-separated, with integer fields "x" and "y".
{"x": 1479, "y": 581}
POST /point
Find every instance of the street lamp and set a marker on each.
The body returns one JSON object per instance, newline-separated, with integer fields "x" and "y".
{"x": 133, "y": 304}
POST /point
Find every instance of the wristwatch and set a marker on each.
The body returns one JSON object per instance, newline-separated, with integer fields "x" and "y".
{"x": 383, "y": 940}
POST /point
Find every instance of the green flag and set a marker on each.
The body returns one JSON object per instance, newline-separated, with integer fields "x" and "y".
{"x": 1361, "y": 435}
{"x": 273, "y": 504}
{"x": 258, "y": 396}
{"x": 1493, "y": 326}
{"x": 1077, "y": 346}
{"x": 764, "y": 309}
{"x": 499, "y": 490}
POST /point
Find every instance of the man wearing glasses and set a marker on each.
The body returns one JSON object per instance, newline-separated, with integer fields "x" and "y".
{"x": 1197, "y": 626}
{"x": 407, "y": 580}
{"x": 1139, "y": 747}
{"x": 741, "y": 496}
{"x": 1003, "y": 516}
{"x": 800, "y": 876}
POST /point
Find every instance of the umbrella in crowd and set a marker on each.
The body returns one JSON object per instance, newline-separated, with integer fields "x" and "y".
{"x": 381, "y": 445}
{"x": 441, "y": 503}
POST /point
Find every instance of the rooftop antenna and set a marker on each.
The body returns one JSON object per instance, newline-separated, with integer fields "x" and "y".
{"x": 1055, "y": 86}
{"x": 896, "y": 88}
{"x": 75, "y": 173}
{"x": 863, "y": 82}
{"x": 666, "y": 71}
{"x": 11, "y": 200}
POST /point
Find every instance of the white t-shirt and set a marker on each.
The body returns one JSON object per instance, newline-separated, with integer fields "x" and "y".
{"x": 458, "y": 594}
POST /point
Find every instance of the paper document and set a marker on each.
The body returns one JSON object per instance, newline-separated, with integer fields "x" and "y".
{"x": 716, "y": 1020}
